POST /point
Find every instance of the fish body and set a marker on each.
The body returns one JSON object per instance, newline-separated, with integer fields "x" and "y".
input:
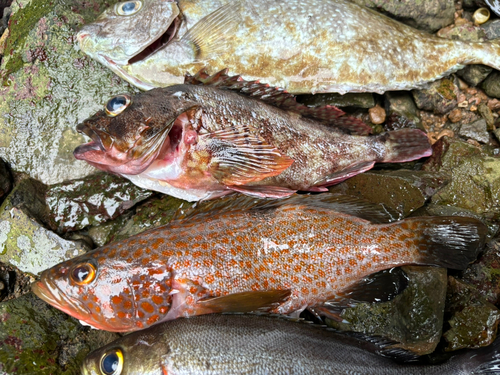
{"x": 244, "y": 255}
{"x": 201, "y": 141}
{"x": 247, "y": 344}
{"x": 303, "y": 46}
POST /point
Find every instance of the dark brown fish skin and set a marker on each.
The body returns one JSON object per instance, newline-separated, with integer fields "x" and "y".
{"x": 227, "y": 140}
{"x": 247, "y": 344}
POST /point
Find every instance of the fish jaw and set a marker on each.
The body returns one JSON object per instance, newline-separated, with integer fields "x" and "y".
{"x": 162, "y": 27}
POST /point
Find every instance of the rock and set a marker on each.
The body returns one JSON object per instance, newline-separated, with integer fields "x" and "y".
{"x": 38, "y": 339}
{"x": 151, "y": 214}
{"x": 475, "y": 177}
{"x": 484, "y": 274}
{"x": 401, "y": 111}
{"x": 477, "y": 130}
{"x": 464, "y": 31}
{"x": 49, "y": 86}
{"x": 13, "y": 283}
{"x": 491, "y": 85}
{"x": 5, "y": 180}
{"x": 24, "y": 242}
{"x": 429, "y": 15}
{"x": 440, "y": 97}
{"x": 492, "y": 29}
{"x": 455, "y": 115}
{"x": 473, "y": 321}
{"x": 487, "y": 114}
{"x": 403, "y": 191}
{"x": 474, "y": 74}
{"x": 413, "y": 318}
{"x": 377, "y": 115}
{"x": 76, "y": 204}
{"x": 361, "y": 100}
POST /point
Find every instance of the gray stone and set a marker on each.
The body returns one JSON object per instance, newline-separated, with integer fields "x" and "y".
{"x": 401, "y": 111}
{"x": 429, "y": 15}
{"x": 414, "y": 318}
{"x": 24, "y": 242}
{"x": 477, "y": 130}
{"x": 403, "y": 191}
{"x": 492, "y": 29}
{"x": 491, "y": 85}
{"x": 474, "y": 74}
{"x": 49, "y": 86}
{"x": 361, "y": 100}
{"x": 440, "y": 97}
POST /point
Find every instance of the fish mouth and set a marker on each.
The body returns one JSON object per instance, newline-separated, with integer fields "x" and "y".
{"x": 159, "y": 43}
{"x": 50, "y": 293}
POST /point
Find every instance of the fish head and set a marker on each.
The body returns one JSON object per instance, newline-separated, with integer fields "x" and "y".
{"x": 133, "y": 131}
{"x": 99, "y": 290}
{"x": 130, "y": 29}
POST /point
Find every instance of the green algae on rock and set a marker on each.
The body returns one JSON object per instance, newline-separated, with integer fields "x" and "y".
{"x": 414, "y": 318}
{"x": 48, "y": 87}
{"x": 37, "y": 339}
{"x": 93, "y": 200}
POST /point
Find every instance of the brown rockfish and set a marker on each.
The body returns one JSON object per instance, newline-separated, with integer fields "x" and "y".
{"x": 245, "y": 254}
{"x": 200, "y": 141}
{"x": 303, "y": 46}
{"x": 248, "y": 344}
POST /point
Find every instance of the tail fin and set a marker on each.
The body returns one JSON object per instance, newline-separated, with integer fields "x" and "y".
{"x": 481, "y": 361}
{"x": 451, "y": 242}
{"x": 487, "y": 53}
{"x": 405, "y": 145}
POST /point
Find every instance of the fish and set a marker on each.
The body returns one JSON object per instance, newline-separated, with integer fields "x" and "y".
{"x": 251, "y": 344}
{"x": 241, "y": 254}
{"x": 303, "y": 46}
{"x": 220, "y": 134}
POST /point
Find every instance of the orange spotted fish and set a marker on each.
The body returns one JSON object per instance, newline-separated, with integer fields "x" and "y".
{"x": 246, "y": 254}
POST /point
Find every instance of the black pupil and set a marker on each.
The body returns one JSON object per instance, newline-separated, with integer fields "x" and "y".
{"x": 116, "y": 103}
{"x": 81, "y": 273}
{"x": 128, "y": 7}
{"x": 110, "y": 363}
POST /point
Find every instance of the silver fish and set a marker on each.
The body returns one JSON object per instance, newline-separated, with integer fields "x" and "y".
{"x": 246, "y": 344}
{"x": 303, "y": 46}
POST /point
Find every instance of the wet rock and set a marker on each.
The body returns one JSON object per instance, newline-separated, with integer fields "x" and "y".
{"x": 475, "y": 177}
{"x": 24, "y": 242}
{"x": 492, "y": 29}
{"x": 440, "y": 97}
{"x": 484, "y": 274}
{"x": 13, "y": 283}
{"x": 361, "y": 100}
{"x": 155, "y": 212}
{"x": 38, "y": 339}
{"x": 403, "y": 191}
{"x": 401, "y": 111}
{"x": 487, "y": 114}
{"x": 377, "y": 115}
{"x": 414, "y": 318}
{"x": 474, "y": 74}
{"x": 473, "y": 321}
{"x": 76, "y": 204}
{"x": 491, "y": 85}
{"x": 48, "y": 87}
{"x": 429, "y": 15}
{"x": 477, "y": 130}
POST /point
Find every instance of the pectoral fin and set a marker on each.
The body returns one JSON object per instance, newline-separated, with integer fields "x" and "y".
{"x": 243, "y": 302}
{"x": 239, "y": 157}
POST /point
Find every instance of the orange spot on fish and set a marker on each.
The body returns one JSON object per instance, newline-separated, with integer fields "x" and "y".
{"x": 163, "y": 309}
{"x": 153, "y": 319}
{"x": 139, "y": 324}
{"x": 140, "y": 314}
{"x": 137, "y": 253}
{"x": 120, "y": 314}
{"x": 127, "y": 305}
{"x": 116, "y": 300}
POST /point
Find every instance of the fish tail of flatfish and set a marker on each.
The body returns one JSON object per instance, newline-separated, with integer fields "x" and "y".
{"x": 402, "y": 145}
{"x": 487, "y": 53}
{"x": 451, "y": 242}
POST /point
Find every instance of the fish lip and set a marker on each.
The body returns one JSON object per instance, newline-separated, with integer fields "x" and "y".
{"x": 47, "y": 291}
{"x": 95, "y": 144}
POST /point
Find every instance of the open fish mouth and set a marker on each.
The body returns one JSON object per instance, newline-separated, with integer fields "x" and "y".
{"x": 159, "y": 43}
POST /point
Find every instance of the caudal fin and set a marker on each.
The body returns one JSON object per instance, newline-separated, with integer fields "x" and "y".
{"x": 451, "y": 242}
{"x": 487, "y": 53}
{"x": 405, "y": 145}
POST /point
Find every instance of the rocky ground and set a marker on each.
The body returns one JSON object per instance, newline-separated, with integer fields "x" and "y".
{"x": 54, "y": 207}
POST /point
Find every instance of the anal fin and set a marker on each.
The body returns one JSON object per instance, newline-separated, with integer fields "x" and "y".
{"x": 263, "y": 191}
{"x": 243, "y": 302}
{"x": 346, "y": 173}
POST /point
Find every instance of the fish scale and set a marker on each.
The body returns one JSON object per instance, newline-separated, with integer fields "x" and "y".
{"x": 216, "y": 261}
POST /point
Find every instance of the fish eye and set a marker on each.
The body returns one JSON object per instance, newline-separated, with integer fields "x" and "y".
{"x": 128, "y": 8}
{"x": 117, "y": 104}
{"x": 112, "y": 362}
{"x": 83, "y": 273}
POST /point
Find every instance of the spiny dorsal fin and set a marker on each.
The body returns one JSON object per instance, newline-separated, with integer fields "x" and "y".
{"x": 280, "y": 98}
{"x": 336, "y": 202}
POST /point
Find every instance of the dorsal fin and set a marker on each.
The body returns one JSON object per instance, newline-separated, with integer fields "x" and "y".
{"x": 336, "y": 202}
{"x": 328, "y": 114}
